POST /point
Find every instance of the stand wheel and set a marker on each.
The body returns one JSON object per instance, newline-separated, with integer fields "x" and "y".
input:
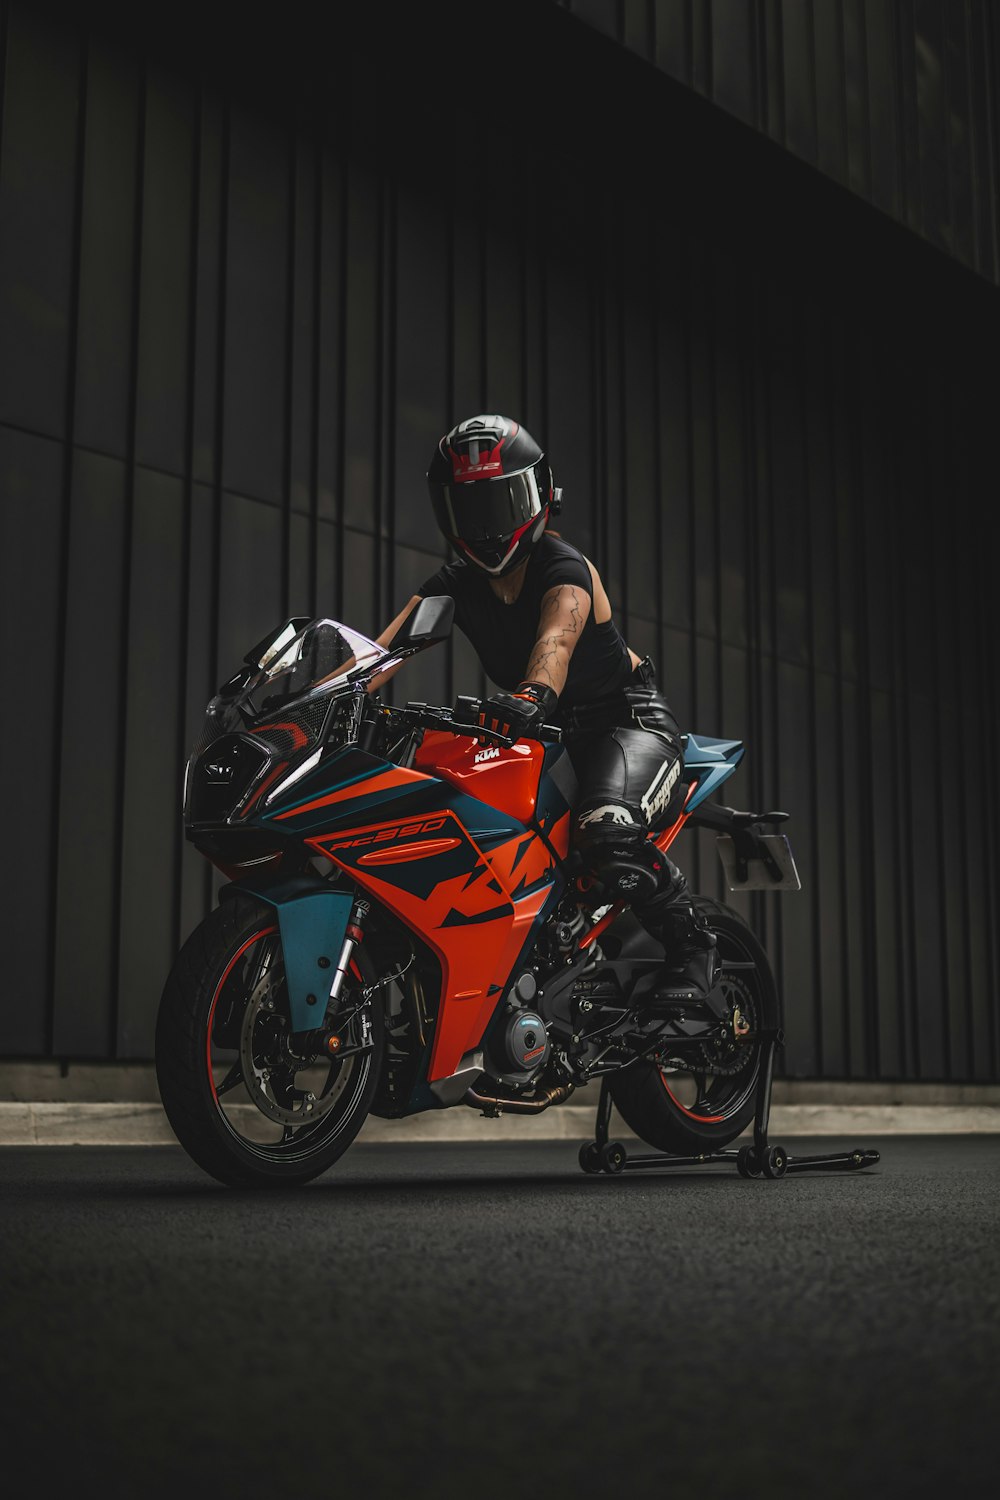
{"x": 590, "y": 1156}
{"x": 613, "y": 1157}
{"x": 775, "y": 1162}
{"x": 748, "y": 1162}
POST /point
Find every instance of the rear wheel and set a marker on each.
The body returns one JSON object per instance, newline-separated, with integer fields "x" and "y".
{"x": 247, "y": 1101}
{"x": 695, "y": 1101}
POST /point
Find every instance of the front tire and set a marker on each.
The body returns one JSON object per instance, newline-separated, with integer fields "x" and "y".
{"x": 222, "y": 1019}
{"x": 684, "y": 1111}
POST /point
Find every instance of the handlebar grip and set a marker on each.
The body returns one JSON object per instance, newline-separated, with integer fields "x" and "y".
{"x": 464, "y": 719}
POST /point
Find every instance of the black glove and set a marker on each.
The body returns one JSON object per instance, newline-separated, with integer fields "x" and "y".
{"x": 518, "y": 714}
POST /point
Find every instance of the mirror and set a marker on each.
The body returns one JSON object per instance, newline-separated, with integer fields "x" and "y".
{"x": 429, "y": 623}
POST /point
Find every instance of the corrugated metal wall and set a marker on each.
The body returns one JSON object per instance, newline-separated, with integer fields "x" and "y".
{"x": 234, "y": 320}
{"x": 895, "y": 99}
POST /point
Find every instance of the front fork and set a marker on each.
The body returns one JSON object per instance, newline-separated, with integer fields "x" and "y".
{"x": 352, "y": 937}
{"x": 339, "y": 1030}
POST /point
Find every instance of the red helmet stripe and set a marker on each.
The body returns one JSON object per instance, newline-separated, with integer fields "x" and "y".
{"x": 512, "y": 548}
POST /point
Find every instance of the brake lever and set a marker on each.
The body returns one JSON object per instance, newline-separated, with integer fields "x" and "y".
{"x": 467, "y": 710}
{"x": 429, "y": 716}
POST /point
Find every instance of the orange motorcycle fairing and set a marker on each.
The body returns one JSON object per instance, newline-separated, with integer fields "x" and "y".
{"x": 435, "y": 878}
{"x": 505, "y": 777}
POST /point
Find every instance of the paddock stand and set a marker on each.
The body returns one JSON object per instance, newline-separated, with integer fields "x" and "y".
{"x": 759, "y": 1160}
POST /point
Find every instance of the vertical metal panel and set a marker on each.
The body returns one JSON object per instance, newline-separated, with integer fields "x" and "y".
{"x": 30, "y": 516}
{"x": 672, "y": 427}
{"x": 106, "y": 251}
{"x": 638, "y": 416}
{"x": 637, "y": 26}
{"x": 733, "y": 42}
{"x": 243, "y": 328}
{"x": 609, "y": 477}
{"x": 796, "y": 938}
{"x": 149, "y": 818}
{"x": 361, "y": 365}
{"x": 862, "y": 137}
{"x": 163, "y": 354}
{"x": 671, "y": 44}
{"x": 731, "y": 293}
{"x": 895, "y": 98}
{"x": 704, "y": 450}
{"x": 198, "y": 681}
{"x": 39, "y": 185}
{"x": 88, "y": 788}
{"x": 902, "y": 61}
{"x": 831, "y": 88}
{"x": 983, "y": 65}
{"x": 567, "y": 397}
{"x": 259, "y": 201}
{"x": 422, "y": 294}
{"x": 932, "y": 122}
{"x": 960, "y": 141}
{"x": 701, "y": 46}
{"x": 799, "y": 80}
{"x": 886, "y": 86}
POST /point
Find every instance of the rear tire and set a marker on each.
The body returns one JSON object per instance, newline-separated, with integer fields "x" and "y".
{"x": 650, "y": 1098}
{"x": 205, "y": 1030}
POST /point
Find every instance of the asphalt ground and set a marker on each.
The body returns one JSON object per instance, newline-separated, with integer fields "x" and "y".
{"x": 485, "y": 1321}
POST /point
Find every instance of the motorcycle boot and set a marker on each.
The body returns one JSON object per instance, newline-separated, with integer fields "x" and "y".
{"x": 691, "y": 957}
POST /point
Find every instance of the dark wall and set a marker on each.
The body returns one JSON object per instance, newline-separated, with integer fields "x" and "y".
{"x": 895, "y": 99}
{"x": 240, "y": 298}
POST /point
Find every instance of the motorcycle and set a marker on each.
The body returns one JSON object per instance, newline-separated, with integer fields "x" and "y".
{"x": 405, "y": 927}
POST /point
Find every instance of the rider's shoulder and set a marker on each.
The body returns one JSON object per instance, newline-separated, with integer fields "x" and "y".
{"x": 562, "y": 562}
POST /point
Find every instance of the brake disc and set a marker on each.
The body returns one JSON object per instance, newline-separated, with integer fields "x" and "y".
{"x": 269, "y": 1068}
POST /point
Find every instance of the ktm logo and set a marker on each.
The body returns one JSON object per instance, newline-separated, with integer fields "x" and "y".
{"x": 482, "y": 755}
{"x": 390, "y": 835}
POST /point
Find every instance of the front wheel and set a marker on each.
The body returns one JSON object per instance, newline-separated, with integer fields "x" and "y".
{"x": 247, "y": 1101}
{"x": 701, "y": 1100}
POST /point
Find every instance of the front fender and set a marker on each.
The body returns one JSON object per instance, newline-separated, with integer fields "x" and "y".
{"x": 312, "y": 921}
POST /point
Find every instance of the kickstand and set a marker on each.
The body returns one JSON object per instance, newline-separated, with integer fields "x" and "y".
{"x": 759, "y": 1160}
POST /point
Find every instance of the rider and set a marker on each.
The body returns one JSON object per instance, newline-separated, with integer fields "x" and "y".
{"x": 537, "y": 614}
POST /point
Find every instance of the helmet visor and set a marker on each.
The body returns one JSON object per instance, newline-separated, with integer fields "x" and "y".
{"x": 486, "y": 510}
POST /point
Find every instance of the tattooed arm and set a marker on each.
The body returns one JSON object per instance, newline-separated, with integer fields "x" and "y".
{"x": 560, "y": 625}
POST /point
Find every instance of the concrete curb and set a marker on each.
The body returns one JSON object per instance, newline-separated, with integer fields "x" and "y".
{"x": 124, "y": 1124}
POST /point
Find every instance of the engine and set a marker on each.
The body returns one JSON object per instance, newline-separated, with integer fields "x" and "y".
{"x": 516, "y": 1046}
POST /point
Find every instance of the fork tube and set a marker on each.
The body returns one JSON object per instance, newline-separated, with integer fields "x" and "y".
{"x": 352, "y": 937}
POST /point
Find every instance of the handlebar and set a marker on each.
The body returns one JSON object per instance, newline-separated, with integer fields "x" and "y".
{"x": 462, "y": 720}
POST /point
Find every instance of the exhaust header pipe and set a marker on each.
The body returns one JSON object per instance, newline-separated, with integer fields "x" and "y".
{"x": 494, "y": 1107}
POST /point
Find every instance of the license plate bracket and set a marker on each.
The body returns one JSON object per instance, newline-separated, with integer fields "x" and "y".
{"x": 768, "y": 865}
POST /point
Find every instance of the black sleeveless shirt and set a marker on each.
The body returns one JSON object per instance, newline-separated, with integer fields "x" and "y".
{"x": 502, "y": 635}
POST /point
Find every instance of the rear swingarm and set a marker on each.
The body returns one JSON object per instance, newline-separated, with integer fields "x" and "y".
{"x": 759, "y": 1160}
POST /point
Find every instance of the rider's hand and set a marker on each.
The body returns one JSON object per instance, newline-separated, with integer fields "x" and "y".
{"x": 520, "y": 713}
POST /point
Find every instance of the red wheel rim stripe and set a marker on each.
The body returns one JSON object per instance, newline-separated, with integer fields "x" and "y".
{"x": 703, "y": 1119}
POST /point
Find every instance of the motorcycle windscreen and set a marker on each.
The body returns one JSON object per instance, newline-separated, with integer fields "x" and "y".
{"x": 771, "y": 869}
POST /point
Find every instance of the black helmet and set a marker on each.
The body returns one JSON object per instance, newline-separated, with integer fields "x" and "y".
{"x": 491, "y": 490}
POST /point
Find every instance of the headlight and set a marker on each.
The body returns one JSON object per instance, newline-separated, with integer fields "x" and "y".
{"x": 221, "y": 777}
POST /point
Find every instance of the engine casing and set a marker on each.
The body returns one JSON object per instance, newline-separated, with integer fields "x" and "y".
{"x": 517, "y": 1044}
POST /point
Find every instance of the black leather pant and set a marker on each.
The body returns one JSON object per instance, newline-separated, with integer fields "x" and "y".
{"x": 627, "y": 755}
